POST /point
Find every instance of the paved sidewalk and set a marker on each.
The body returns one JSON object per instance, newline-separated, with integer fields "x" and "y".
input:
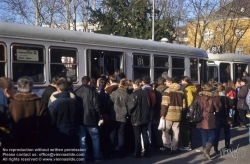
{"x": 239, "y": 144}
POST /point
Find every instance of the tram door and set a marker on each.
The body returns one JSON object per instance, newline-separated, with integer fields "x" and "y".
{"x": 238, "y": 70}
{"x": 104, "y": 63}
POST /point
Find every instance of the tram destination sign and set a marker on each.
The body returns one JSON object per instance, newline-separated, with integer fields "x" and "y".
{"x": 27, "y": 55}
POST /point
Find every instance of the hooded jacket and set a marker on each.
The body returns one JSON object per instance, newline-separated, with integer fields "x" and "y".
{"x": 241, "y": 104}
{"x": 209, "y": 105}
{"x": 189, "y": 93}
{"x": 173, "y": 102}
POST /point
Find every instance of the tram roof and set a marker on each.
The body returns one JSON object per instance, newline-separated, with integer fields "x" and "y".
{"x": 230, "y": 57}
{"x": 68, "y": 36}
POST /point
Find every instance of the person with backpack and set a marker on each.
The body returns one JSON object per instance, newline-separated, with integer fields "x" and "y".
{"x": 146, "y": 86}
{"x": 231, "y": 101}
{"x": 186, "y": 126}
{"x": 209, "y": 104}
{"x": 221, "y": 119}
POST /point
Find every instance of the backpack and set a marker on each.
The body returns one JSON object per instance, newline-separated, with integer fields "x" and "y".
{"x": 231, "y": 94}
{"x": 248, "y": 99}
{"x": 195, "y": 113}
{"x": 151, "y": 94}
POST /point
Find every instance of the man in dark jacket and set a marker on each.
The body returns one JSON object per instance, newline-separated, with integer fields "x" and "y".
{"x": 241, "y": 105}
{"x": 65, "y": 112}
{"x": 49, "y": 90}
{"x": 139, "y": 109}
{"x": 91, "y": 116}
{"x": 247, "y": 77}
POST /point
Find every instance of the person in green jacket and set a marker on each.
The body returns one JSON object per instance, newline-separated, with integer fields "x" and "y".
{"x": 186, "y": 126}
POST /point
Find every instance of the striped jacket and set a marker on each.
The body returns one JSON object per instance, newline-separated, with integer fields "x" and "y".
{"x": 173, "y": 102}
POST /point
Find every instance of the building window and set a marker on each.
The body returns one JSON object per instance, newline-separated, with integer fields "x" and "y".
{"x": 239, "y": 50}
{"x": 208, "y": 35}
{"x": 239, "y": 33}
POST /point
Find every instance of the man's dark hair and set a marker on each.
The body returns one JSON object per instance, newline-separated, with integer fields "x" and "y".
{"x": 62, "y": 84}
{"x": 85, "y": 79}
{"x": 175, "y": 80}
{"x": 146, "y": 79}
{"x": 54, "y": 80}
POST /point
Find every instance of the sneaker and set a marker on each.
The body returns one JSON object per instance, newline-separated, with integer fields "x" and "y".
{"x": 98, "y": 160}
{"x": 185, "y": 148}
{"x": 248, "y": 115}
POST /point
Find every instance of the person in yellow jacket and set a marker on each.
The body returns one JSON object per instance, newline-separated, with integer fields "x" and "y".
{"x": 186, "y": 126}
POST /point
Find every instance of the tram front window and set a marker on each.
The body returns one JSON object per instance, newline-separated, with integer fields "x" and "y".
{"x": 2, "y": 61}
{"x": 104, "y": 63}
{"x": 160, "y": 65}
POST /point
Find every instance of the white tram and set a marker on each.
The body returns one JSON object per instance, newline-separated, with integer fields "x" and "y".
{"x": 227, "y": 66}
{"x": 43, "y": 53}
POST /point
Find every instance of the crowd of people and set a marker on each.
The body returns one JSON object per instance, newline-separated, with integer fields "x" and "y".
{"x": 105, "y": 116}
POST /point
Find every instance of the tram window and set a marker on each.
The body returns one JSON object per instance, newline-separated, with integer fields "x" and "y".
{"x": 63, "y": 63}
{"x": 28, "y": 60}
{"x": 178, "y": 67}
{"x": 160, "y": 65}
{"x": 141, "y": 65}
{"x": 2, "y": 60}
{"x": 194, "y": 69}
{"x": 225, "y": 72}
{"x": 213, "y": 72}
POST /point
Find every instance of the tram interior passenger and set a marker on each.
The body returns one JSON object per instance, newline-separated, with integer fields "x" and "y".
{"x": 104, "y": 62}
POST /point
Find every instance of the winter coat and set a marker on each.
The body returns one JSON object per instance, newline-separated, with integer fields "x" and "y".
{"x": 157, "y": 109}
{"x": 173, "y": 102}
{"x": 47, "y": 93}
{"x": 189, "y": 94}
{"x": 89, "y": 100}
{"x": 118, "y": 105}
{"x": 139, "y": 107}
{"x": 224, "y": 105}
{"x": 32, "y": 118}
{"x": 231, "y": 102}
{"x": 66, "y": 114}
{"x": 209, "y": 105}
{"x": 242, "y": 105}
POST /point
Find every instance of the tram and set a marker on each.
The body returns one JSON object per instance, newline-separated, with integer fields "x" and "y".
{"x": 42, "y": 53}
{"x": 227, "y": 66}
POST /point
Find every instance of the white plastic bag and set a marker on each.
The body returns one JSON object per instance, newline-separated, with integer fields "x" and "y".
{"x": 162, "y": 124}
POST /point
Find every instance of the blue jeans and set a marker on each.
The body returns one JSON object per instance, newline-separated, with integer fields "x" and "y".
{"x": 207, "y": 136}
{"x": 222, "y": 123}
{"x": 94, "y": 134}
